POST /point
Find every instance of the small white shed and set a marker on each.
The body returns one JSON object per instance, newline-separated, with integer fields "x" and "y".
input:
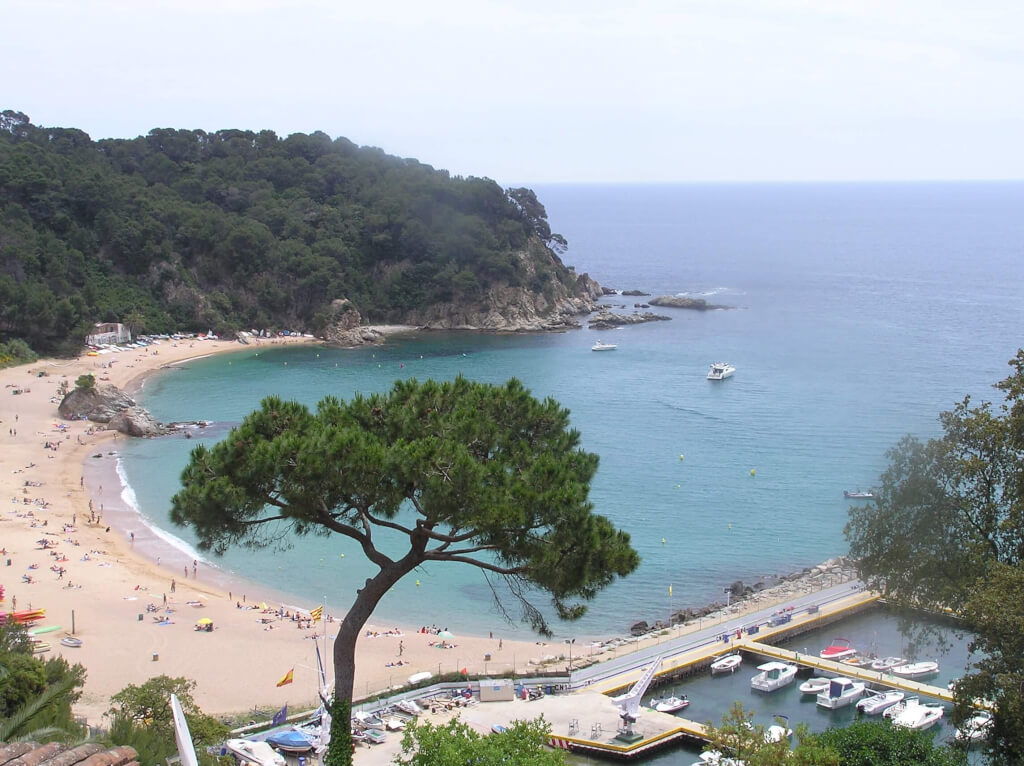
{"x": 497, "y": 690}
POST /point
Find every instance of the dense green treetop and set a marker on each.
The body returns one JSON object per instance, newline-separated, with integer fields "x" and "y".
{"x": 184, "y": 229}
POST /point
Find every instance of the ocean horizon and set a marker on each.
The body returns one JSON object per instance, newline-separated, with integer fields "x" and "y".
{"x": 857, "y": 313}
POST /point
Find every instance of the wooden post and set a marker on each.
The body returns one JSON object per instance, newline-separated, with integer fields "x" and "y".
{"x": 72, "y": 622}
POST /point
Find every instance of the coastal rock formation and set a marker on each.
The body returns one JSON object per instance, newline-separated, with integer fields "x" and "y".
{"x": 634, "y": 293}
{"x": 343, "y": 328}
{"x": 606, "y": 319}
{"x": 98, "y": 404}
{"x": 108, "y": 404}
{"x": 135, "y": 421}
{"x": 509, "y": 308}
{"x": 677, "y": 302}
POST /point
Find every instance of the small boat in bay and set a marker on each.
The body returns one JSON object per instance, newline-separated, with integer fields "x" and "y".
{"x": 912, "y": 714}
{"x": 720, "y": 371}
{"x": 976, "y": 728}
{"x": 599, "y": 346}
{"x": 858, "y": 494}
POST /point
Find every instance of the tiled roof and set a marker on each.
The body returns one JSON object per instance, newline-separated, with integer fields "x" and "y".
{"x": 56, "y": 754}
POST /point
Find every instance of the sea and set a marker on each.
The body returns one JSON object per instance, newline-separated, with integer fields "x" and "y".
{"x": 853, "y": 313}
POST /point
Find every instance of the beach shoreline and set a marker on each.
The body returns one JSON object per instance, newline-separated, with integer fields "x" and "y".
{"x": 121, "y": 574}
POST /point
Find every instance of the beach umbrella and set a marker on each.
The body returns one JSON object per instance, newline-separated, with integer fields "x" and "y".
{"x": 446, "y": 634}
{"x": 204, "y": 621}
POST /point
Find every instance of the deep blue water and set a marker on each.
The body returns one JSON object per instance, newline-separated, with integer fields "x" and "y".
{"x": 861, "y": 311}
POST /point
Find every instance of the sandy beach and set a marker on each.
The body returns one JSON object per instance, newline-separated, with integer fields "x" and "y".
{"x": 71, "y": 546}
{"x": 132, "y": 598}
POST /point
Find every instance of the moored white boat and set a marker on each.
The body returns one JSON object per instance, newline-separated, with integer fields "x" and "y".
{"x": 715, "y": 758}
{"x": 886, "y": 663}
{"x": 879, "y": 702}
{"x": 915, "y": 669}
{"x": 777, "y": 732}
{"x": 599, "y": 346}
{"x": 837, "y": 650}
{"x": 976, "y": 728}
{"x": 841, "y": 692}
{"x": 670, "y": 704}
{"x": 720, "y": 371}
{"x": 911, "y": 714}
{"x": 774, "y": 675}
{"x": 726, "y": 664}
{"x": 814, "y": 685}
{"x": 859, "y": 494}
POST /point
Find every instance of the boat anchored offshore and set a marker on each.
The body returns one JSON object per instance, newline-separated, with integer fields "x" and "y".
{"x": 858, "y": 494}
{"x": 773, "y": 675}
{"x": 720, "y": 371}
{"x": 599, "y": 346}
{"x": 841, "y": 692}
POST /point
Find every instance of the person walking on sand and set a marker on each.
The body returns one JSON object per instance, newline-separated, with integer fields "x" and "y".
{"x": 401, "y": 648}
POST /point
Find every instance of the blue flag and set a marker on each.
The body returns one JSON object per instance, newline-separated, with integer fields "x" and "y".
{"x": 280, "y": 716}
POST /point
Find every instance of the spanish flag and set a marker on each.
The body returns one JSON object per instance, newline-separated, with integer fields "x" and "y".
{"x": 317, "y": 614}
{"x": 288, "y": 678}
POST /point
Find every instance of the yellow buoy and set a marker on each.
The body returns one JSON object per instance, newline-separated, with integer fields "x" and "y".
{"x": 753, "y": 472}
{"x": 663, "y": 541}
{"x": 678, "y": 486}
{"x": 681, "y": 457}
{"x": 417, "y": 583}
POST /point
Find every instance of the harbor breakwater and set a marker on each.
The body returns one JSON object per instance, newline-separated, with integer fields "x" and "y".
{"x": 744, "y": 598}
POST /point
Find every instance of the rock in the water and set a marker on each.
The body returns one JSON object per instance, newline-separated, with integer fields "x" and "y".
{"x": 677, "y": 302}
{"x": 607, "y": 320}
{"x": 135, "y": 421}
{"x": 634, "y": 292}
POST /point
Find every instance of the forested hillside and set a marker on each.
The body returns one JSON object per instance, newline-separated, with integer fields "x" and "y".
{"x": 184, "y": 229}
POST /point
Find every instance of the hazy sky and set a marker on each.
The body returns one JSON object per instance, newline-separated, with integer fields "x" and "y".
{"x": 529, "y": 91}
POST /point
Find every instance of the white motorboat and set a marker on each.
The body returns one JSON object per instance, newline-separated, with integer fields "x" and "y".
{"x": 726, "y": 664}
{"x": 720, "y": 371}
{"x": 976, "y": 728}
{"x": 915, "y": 669}
{"x": 251, "y": 752}
{"x": 599, "y": 346}
{"x": 715, "y": 758}
{"x": 774, "y": 675}
{"x": 911, "y": 714}
{"x": 858, "y": 494}
{"x": 887, "y": 663}
{"x": 670, "y": 704}
{"x": 841, "y": 692}
{"x": 777, "y": 733}
{"x": 879, "y": 702}
{"x": 814, "y": 685}
{"x": 837, "y": 650}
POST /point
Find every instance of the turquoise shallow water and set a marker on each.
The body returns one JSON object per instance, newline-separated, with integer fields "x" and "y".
{"x": 861, "y": 312}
